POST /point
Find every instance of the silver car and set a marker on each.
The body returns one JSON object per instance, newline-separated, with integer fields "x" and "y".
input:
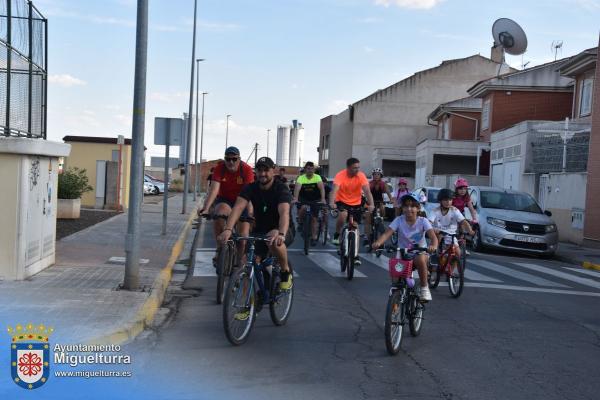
{"x": 512, "y": 220}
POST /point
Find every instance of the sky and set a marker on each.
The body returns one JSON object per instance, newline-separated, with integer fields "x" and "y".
{"x": 271, "y": 61}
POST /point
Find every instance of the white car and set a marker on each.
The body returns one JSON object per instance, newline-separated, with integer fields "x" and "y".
{"x": 149, "y": 188}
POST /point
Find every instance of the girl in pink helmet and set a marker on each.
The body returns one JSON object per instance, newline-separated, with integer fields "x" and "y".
{"x": 462, "y": 198}
{"x": 402, "y": 190}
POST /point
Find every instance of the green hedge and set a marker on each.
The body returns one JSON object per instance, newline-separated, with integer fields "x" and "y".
{"x": 73, "y": 183}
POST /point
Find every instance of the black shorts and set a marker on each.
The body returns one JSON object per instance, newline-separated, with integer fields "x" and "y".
{"x": 261, "y": 249}
{"x": 220, "y": 200}
{"x": 356, "y": 211}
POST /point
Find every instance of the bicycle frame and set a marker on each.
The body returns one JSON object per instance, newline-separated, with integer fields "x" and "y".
{"x": 449, "y": 253}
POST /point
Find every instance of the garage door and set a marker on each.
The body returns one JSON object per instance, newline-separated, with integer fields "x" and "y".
{"x": 512, "y": 173}
{"x": 498, "y": 175}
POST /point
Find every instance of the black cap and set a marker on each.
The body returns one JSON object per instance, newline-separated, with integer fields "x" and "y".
{"x": 265, "y": 162}
{"x": 232, "y": 150}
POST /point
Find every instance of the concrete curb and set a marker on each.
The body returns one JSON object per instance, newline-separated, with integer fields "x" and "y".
{"x": 589, "y": 265}
{"x": 145, "y": 315}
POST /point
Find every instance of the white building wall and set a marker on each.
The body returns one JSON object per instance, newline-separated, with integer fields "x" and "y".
{"x": 293, "y": 159}
{"x": 301, "y": 159}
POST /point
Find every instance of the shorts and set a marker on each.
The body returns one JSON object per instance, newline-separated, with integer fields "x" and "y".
{"x": 261, "y": 249}
{"x": 356, "y": 211}
{"x": 230, "y": 203}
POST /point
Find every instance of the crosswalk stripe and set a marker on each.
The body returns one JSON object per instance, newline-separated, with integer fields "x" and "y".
{"x": 531, "y": 289}
{"x": 595, "y": 274}
{"x": 514, "y": 273}
{"x": 563, "y": 275}
{"x": 476, "y": 276}
{"x": 381, "y": 261}
{"x": 331, "y": 265}
{"x": 203, "y": 266}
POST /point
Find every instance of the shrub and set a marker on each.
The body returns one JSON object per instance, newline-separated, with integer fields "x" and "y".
{"x": 73, "y": 183}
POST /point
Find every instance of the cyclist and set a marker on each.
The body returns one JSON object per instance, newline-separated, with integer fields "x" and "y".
{"x": 271, "y": 202}
{"x": 446, "y": 219}
{"x": 412, "y": 230}
{"x": 228, "y": 179}
{"x": 309, "y": 189}
{"x": 377, "y": 187}
{"x": 348, "y": 185}
{"x": 402, "y": 190}
{"x": 462, "y": 198}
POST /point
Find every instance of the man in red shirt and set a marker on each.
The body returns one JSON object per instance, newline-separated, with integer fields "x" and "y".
{"x": 228, "y": 179}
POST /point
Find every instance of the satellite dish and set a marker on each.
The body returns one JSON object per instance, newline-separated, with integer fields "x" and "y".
{"x": 510, "y": 36}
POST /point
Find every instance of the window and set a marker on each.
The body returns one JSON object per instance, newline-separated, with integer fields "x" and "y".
{"x": 585, "y": 99}
{"x": 485, "y": 115}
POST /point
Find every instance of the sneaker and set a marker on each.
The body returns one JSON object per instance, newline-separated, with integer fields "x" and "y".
{"x": 242, "y": 315}
{"x": 357, "y": 261}
{"x": 286, "y": 281}
{"x": 425, "y": 294}
{"x": 336, "y": 240}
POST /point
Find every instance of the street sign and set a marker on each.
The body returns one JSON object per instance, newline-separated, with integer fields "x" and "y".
{"x": 164, "y": 125}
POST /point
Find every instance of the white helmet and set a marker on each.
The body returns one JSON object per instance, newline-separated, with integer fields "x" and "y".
{"x": 377, "y": 171}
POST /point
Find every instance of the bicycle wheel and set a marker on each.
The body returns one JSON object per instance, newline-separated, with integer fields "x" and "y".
{"x": 395, "y": 315}
{"x": 281, "y": 301}
{"x": 239, "y": 298}
{"x": 324, "y": 228}
{"x": 456, "y": 277}
{"x": 343, "y": 258}
{"x": 433, "y": 279}
{"x": 415, "y": 314}
{"x": 351, "y": 256}
{"x": 306, "y": 232}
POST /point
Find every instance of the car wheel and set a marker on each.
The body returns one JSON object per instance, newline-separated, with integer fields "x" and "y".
{"x": 156, "y": 191}
{"x": 476, "y": 244}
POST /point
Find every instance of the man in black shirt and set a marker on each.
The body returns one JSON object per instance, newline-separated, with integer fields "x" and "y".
{"x": 271, "y": 200}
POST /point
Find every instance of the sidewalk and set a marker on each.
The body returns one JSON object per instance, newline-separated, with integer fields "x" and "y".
{"x": 79, "y": 295}
{"x": 586, "y": 257}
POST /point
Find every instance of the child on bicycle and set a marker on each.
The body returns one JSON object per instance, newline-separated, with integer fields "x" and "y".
{"x": 412, "y": 230}
{"x": 462, "y": 200}
{"x": 446, "y": 219}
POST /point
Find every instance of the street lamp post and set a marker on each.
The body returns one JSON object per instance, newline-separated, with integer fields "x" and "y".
{"x": 268, "y": 135}
{"x": 196, "y": 140}
{"x": 188, "y": 138}
{"x": 202, "y": 130}
{"x": 227, "y": 131}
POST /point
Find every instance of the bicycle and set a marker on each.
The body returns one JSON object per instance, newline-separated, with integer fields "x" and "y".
{"x": 403, "y": 301}
{"x": 377, "y": 226}
{"x": 249, "y": 289}
{"x": 307, "y": 222}
{"x": 323, "y": 232}
{"x": 450, "y": 265}
{"x": 349, "y": 241}
{"x": 225, "y": 258}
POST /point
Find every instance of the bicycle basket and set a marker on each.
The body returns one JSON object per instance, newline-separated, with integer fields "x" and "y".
{"x": 400, "y": 268}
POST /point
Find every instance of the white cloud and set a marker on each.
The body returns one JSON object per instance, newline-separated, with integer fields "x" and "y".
{"x": 411, "y": 4}
{"x": 337, "y": 106}
{"x": 368, "y": 49}
{"x": 66, "y": 80}
{"x": 587, "y": 4}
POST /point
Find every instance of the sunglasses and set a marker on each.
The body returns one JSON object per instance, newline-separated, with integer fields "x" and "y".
{"x": 231, "y": 159}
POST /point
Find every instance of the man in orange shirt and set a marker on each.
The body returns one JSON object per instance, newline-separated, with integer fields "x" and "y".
{"x": 348, "y": 186}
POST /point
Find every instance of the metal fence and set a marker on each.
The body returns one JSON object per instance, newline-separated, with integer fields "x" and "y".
{"x": 560, "y": 146}
{"x": 23, "y": 69}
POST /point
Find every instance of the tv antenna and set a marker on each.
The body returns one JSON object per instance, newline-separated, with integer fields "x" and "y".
{"x": 555, "y": 47}
{"x": 510, "y": 37}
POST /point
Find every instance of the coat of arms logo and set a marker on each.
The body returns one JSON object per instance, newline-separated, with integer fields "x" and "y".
{"x": 30, "y": 355}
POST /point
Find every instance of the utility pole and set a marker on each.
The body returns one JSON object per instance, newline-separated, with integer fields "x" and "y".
{"x": 131, "y": 280}
{"x": 268, "y": 135}
{"x": 227, "y": 131}
{"x": 202, "y": 130}
{"x": 255, "y": 153}
{"x": 188, "y": 138}
{"x": 196, "y": 141}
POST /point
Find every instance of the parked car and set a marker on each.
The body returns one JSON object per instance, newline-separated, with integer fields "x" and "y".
{"x": 512, "y": 220}
{"x": 428, "y": 196}
{"x": 149, "y": 188}
{"x": 158, "y": 186}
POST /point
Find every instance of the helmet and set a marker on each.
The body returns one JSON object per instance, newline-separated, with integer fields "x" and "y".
{"x": 402, "y": 181}
{"x": 445, "y": 194}
{"x": 412, "y": 196}
{"x": 377, "y": 171}
{"x": 461, "y": 182}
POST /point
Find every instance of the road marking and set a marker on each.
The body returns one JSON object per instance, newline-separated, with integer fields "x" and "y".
{"x": 381, "y": 261}
{"x": 121, "y": 260}
{"x": 563, "y": 275}
{"x": 595, "y": 274}
{"x": 476, "y": 276}
{"x": 331, "y": 265}
{"x": 531, "y": 289}
{"x": 203, "y": 265}
{"x": 536, "y": 280}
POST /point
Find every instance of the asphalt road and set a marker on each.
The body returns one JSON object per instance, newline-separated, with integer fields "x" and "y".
{"x": 524, "y": 328}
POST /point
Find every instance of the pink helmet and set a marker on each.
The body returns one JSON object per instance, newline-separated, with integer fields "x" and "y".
{"x": 402, "y": 181}
{"x": 461, "y": 182}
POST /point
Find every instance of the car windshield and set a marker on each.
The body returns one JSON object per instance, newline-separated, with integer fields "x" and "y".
{"x": 510, "y": 201}
{"x": 432, "y": 195}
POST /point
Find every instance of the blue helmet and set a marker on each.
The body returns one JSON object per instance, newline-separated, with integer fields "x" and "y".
{"x": 412, "y": 196}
